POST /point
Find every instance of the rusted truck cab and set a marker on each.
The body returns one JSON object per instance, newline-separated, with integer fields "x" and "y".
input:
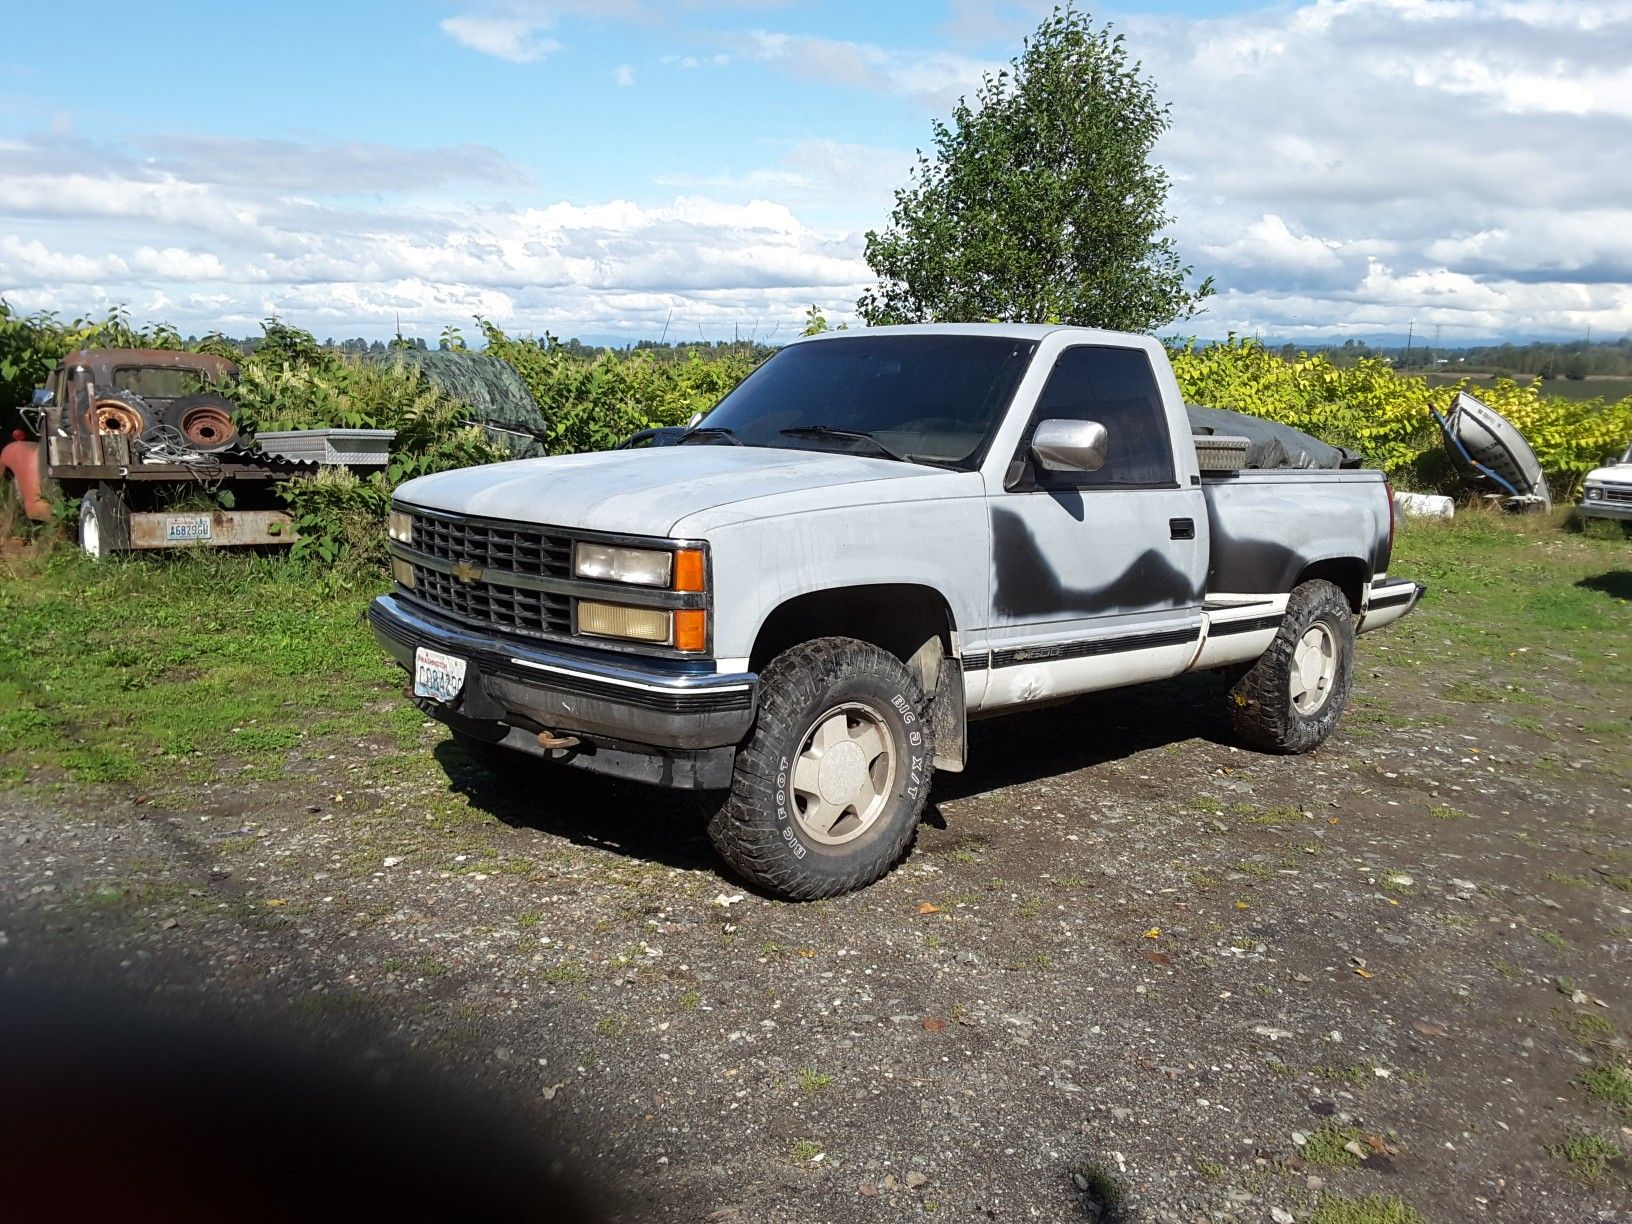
{"x": 145, "y": 440}
{"x": 157, "y": 377}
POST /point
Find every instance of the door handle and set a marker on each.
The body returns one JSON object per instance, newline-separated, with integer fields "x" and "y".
{"x": 1182, "y": 528}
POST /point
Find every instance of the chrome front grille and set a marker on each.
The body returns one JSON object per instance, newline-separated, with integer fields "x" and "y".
{"x": 521, "y": 550}
{"x": 487, "y": 552}
{"x": 512, "y": 609}
{"x": 1611, "y": 493}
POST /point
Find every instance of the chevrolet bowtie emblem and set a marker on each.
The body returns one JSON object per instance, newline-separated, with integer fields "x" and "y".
{"x": 466, "y": 572}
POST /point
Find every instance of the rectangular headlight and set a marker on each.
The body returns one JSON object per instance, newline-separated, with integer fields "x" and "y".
{"x": 403, "y": 572}
{"x": 639, "y": 566}
{"x": 399, "y": 525}
{"x": 633, "y": 624}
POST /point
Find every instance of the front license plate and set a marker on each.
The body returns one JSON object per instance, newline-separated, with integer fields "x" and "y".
{"x": 188, "y": 527}
{"x": 436, "y": 675}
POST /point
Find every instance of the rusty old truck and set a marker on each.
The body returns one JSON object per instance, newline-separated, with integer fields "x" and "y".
{"x": 145, "y": 440}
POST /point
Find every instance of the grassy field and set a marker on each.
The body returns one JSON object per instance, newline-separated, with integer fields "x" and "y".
{"x": 209, "y": 663}
{"x": 127, "y": 669}
{"x": 1609, "y": 387}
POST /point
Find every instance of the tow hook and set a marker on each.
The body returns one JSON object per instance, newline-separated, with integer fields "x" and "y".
{"x": 549, "y": 739}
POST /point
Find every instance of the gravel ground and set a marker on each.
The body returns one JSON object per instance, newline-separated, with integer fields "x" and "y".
{"x": 1128, "y": 972}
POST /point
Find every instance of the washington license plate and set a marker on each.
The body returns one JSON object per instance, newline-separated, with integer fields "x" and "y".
{"x": 436, "y": 675}
{"x": 188, "y": 527}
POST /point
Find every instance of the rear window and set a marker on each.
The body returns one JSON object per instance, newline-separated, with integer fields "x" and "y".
{"x": 1117, "y": 388}
{"x": 159, "y": 382}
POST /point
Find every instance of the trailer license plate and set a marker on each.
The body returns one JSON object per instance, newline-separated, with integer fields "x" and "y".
{"x": 188, "y": 527}
{"x": 436, "y": 675}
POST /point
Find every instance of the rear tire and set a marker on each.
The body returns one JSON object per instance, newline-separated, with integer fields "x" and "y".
{"x": 104, "y": 526}
{"x": 829, "y": 787}
{"x": 1291, "y": 698}
{"x": 204, "y": 421}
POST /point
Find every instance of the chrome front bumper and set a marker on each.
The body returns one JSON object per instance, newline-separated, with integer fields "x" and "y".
{"x": 1605, "y": 508}
{"x": 655, "y": 720}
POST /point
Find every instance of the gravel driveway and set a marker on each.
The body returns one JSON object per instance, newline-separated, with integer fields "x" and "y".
{"x": 1128, "y": 971}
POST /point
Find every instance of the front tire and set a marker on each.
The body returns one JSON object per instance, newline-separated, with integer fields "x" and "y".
{"x": 1291, "y": 698}
{"x": 828, "y": 789}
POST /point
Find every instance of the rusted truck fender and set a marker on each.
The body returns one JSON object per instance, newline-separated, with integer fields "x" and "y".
{"x": 22, "y": 460}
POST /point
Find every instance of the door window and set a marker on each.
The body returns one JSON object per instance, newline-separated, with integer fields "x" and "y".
{"x": 1117, "y": 388}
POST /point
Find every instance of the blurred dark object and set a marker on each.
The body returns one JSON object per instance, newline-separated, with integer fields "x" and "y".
{"x": 114, "y": 1113}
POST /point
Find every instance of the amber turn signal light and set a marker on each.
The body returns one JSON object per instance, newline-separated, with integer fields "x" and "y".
{"x": 690, "y": 628}
{"x": 688, "y": 570}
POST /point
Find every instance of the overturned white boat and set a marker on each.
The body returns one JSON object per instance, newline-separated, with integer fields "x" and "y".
{"x": 1485, "y": 445}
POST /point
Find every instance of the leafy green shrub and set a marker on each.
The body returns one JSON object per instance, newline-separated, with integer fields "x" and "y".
{"x": 290, "y": 382}
{"x": 593, "y": 402}
{"x": 1384, "y": 415}
{"x": 339, "y": 516}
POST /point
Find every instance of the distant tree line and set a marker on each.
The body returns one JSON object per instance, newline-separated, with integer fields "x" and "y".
{"x": 1574, "y": 359}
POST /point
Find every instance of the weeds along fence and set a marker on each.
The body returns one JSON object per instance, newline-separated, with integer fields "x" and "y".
{"x": 525, "y": 396}
{"x": 1384, "y": 415}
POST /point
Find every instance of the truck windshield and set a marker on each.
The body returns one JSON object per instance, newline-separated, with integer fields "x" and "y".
{"x": 928, "y": 398}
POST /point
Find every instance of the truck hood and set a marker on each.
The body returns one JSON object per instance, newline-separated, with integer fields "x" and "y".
{"x": 643, "y": 492}
{"x": 1615, "y": 473}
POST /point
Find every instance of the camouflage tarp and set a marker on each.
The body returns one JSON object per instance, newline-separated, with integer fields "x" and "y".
{"x": 497, "y": 397}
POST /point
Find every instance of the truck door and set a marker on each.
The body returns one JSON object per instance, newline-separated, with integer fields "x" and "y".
{"x": 1098, "y": 576}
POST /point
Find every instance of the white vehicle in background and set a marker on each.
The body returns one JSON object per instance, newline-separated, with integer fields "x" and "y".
{"x": 1608, "y": 492}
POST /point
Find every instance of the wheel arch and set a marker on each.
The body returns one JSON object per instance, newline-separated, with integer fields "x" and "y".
{"x": 904, "y": 618}
{"x": 1350, "y": 575}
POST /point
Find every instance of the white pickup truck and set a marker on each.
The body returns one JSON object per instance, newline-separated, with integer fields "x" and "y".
{"x": 1607, "y": 491}
{"x": 876, "y": 537}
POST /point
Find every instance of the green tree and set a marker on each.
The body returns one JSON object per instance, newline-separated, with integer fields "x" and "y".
{"x": 1041, "y": 203}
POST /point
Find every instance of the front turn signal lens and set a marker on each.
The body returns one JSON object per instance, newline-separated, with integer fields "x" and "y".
{"x": 691, "y": 629}
{"x": 689, "y": 572}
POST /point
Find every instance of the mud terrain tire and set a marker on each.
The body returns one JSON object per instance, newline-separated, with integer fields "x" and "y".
{"x": 842, "y": 740}
{"x": 1266, "y": 713}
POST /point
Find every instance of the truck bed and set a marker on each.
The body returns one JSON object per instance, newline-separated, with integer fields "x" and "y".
{"x": 1269, "y": 526}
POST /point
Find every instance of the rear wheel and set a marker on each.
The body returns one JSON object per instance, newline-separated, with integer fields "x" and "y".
{"x": 205, "y": 421}
{"x": 104, "y": 527}
{"x": 113, "y": 411}
{"x": 1291, "y": 698}
{"x": 828, "y": 789}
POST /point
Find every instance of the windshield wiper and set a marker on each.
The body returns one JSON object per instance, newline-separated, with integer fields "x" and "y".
{"x": 708, "y": 431}
{"x": 827, "y": 431}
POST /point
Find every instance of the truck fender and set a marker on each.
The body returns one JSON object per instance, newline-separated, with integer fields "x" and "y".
{"x": 22, "y": 460}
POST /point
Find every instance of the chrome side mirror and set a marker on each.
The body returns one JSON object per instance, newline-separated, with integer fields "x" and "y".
{"x": 41, "y": 397}
{"x": 1070, "y": 446}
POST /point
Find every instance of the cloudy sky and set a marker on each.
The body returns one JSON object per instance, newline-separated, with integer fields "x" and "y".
{"x": 611, "y": 168}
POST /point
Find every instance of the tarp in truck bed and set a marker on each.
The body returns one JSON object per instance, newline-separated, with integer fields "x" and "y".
{"x": 1270, "y": 444}
{"x": 490, "y": 385}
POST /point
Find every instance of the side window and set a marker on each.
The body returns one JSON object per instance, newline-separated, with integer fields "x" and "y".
{"x": 1116, "y": 387}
